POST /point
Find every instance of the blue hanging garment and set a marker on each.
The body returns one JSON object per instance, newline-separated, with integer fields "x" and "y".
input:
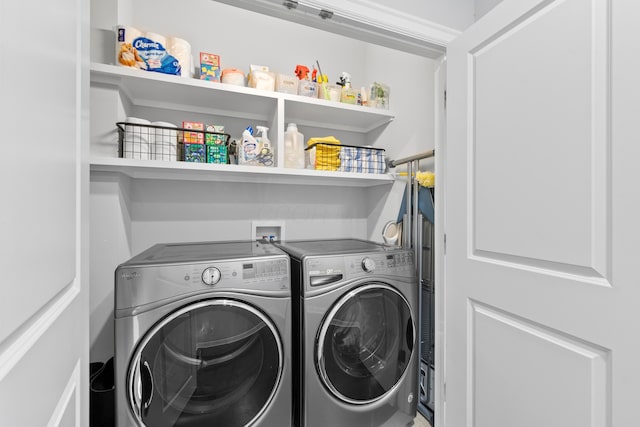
{"x": 425, "y": 204}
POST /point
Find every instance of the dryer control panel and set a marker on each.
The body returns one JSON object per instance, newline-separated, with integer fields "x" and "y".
{"x": 328, "y": 270}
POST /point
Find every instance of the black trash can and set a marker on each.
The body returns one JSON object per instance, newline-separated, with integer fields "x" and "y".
{"x": 102, "y": 394}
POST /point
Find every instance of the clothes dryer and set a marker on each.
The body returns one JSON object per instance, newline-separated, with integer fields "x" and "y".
{"x": 202, "y": 336}
{"x": 355, "y": 342}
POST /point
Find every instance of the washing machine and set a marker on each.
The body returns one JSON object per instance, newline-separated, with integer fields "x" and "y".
{"x": 203, "y": 335}
{"x": 355, "y": 349}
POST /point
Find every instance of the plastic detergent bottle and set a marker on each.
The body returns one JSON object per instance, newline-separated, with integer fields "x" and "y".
{"x": 248, "y": 149}
{"x": 293, "y": 147}
{"x": 266, "y": 153}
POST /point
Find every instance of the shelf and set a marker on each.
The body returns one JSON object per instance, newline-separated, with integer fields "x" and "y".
{"x": 156, "y": 169}
{"x": 150, "y": 89}
{"x": 323, "y": 113}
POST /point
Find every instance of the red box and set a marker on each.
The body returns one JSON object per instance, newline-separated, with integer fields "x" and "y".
{"x": 193, "y": 137}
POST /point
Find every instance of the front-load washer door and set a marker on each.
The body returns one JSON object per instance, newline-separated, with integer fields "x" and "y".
{"x": 364, "y": 344}
{"x": 216, "y": 362}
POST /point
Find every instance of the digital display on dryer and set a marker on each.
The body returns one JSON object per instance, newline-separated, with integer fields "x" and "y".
{"x": 248, "y": 272}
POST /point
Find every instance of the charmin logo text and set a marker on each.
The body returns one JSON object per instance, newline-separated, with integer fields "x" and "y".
{"x": 145, "y": 44}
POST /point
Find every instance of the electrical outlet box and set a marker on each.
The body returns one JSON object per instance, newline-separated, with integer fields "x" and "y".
{"x": 267, "y": 230}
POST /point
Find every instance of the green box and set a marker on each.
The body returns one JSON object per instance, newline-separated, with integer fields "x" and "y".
{"x": 217, "y": 153}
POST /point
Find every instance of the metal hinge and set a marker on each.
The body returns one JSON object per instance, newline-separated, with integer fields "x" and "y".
{"x": 445, "y": 99}
{"x": 290, "y": 4}
{"x": 444, "y": 245}
{"x": 326, "y": 14}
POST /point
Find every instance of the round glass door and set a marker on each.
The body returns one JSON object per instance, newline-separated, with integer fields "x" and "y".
{"x": 216, "y": 362}
{"x": 364, "y": 345}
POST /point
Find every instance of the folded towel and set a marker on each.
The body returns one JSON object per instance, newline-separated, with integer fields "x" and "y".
{"x": 326, "y": 152}
{"x": 349, "y": 159}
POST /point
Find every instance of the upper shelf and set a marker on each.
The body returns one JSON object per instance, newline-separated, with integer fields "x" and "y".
{"x": 144, "y": 88}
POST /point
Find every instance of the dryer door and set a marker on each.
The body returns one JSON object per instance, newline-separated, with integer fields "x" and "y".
{"x": 365, "y": 343}
{"x": 216, "y": 362}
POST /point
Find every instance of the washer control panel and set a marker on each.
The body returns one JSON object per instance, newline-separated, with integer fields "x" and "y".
{"x": 141, "y": 285}
{"x": 328, "y": 270}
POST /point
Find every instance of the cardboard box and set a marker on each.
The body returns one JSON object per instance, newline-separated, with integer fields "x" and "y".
{"x": 193, "y": 137}
{"x": 209, "y": 67}
{"x": 194, "y": 153}
{"x": 217, "y": 153}
{"x": 215, "y": 138}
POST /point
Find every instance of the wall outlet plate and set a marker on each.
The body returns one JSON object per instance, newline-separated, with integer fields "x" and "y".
{"x": 267, "y": 230}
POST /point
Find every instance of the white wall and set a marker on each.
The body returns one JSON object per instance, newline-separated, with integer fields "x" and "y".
{"x": 484, "y": 6}
{"x": 130, "y": 215}
{"x": 456, "y": 14}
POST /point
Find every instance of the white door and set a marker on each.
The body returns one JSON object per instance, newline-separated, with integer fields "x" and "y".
{"x": 43, "y": 183}
{"x": 542, "y": 311}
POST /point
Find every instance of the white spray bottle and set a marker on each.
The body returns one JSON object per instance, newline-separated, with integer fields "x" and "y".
{"x": 266, "y": 154}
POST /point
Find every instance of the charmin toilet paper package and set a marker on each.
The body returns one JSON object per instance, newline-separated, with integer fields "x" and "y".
{"x": 145, "y": 51}
{"x": 181, "y": 50}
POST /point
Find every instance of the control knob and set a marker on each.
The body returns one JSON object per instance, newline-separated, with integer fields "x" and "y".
{"x": 368, "y": 265}
{"x": 211, "y": 276}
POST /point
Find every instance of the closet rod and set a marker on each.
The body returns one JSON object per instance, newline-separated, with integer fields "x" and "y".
{"x": 419, "y": 156}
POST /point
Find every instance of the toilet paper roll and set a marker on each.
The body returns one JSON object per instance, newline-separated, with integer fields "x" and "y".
{"x": 165, "y": 142}
{"x": 137, "y": 140}
{"x": 126, "y": 54}
{"x": 158, "y": 38}
{"x": 181, "y": 50}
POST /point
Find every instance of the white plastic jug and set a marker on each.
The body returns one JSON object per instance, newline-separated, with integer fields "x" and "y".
{"x": 293, "y": 147}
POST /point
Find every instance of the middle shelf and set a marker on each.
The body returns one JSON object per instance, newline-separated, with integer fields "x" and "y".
{"x": 156, "y": 169}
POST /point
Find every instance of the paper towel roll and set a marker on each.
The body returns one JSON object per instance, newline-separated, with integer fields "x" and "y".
{"x": 181, "y": 50}
{"x": 165, "y": 143}
{"x": 126, "y": 54}
{"x": 158, "y": 38}
{"x": 137, "y": 139}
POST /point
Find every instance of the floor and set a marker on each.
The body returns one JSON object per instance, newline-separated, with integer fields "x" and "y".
{"x": 419, "y": 421}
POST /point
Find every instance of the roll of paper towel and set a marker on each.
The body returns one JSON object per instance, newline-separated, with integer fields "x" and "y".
{"x": 181, "y": 50}
{"x": 137, "y": 140}
{"x": 126, "y": 54}
{"x": 165, "y": 141}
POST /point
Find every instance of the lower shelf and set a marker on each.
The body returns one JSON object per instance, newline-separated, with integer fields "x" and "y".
{"x": 156, "y": 169}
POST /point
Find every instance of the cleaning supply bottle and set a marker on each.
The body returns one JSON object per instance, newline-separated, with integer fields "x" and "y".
{"x": 266, "y": 152}
{"x": 293, "y": 147}
{"x": 248, "y": 149}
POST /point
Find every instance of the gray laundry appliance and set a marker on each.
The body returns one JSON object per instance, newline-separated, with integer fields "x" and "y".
{"x": 355, "y": 348}
{"x": 202, "y": 336}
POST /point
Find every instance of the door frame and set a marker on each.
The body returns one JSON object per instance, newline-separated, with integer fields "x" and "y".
{"x": 440, "y": 239}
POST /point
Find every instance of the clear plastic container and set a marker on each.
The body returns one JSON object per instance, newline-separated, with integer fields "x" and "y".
{"x": 307, "y": 88}
{"x": 329, "y": 92}
{"x": 293, "y": 147}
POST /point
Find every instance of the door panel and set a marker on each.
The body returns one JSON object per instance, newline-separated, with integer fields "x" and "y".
{"x": 542, "y": 111}
{"x": 501, "y": 350}
{"x": 541, "y": 206}
{"x": 38, "y": 172}
{"x": 44, "y": 182}
{"x": 42, "y": 381}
